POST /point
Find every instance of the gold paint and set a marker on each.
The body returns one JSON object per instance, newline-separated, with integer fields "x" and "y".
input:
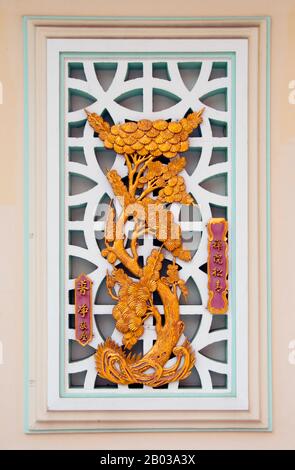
{"x": 82, "y": 287}
{"x": 172, "y": 139}
{"x": 217, "y": 273}
{"x": 141, "y": 143}
{"x": 82, "y": 310}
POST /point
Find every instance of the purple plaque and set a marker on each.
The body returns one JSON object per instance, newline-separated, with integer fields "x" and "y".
{"x": 217, "y": 265}
{"x": 83, "y": 309}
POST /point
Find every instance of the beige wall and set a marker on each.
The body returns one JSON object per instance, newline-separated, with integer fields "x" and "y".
{"x": 11, "y": 216}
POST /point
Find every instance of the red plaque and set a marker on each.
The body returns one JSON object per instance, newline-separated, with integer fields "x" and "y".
{"x": 83, "y": 309}
{"x": 218, "y": 265}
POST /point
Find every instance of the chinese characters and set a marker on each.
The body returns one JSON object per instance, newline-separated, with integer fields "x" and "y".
{"x": 83, "y": 309}
{"x": 217, "y": 265}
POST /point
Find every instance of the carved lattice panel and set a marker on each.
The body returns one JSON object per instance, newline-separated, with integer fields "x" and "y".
{"x": 133, "y": 84}
{"x": 122, "y": 90}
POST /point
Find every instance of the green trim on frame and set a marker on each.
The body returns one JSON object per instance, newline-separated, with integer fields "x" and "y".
{"x": 268, "y": 228}
{"x": 27, "y": 222}
{"x": 144, "y": 18}
{"x": 26, "y": 228}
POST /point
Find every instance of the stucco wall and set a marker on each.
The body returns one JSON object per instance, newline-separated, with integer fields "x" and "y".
{"x": 11, "y": 216}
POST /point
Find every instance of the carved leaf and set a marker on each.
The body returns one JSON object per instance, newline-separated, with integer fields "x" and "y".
{"x": 119, "y": 188}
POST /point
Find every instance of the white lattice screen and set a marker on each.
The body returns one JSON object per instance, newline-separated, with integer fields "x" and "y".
{"x": 131, "y": 90}
{"x": 130, "y": 82}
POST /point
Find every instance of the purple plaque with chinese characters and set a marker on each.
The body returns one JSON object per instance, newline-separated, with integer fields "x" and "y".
{"x": 83, "y": 309}
{"x": 217, "y": 266}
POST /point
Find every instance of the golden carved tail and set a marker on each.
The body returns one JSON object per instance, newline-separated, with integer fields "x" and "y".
{"x": 114, "y": 365}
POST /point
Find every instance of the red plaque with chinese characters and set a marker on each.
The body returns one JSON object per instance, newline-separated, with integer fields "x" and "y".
{"x": 83, "y": 309}
{"x": 217, "y": 265}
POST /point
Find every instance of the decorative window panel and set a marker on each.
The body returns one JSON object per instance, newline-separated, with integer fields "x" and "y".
{"x": 130, "y": 83}
{"x": 130, "y": 80}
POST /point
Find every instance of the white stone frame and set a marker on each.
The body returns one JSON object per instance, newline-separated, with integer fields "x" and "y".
{"x": 157, "y": 401}
{"x": 257, "y": 416}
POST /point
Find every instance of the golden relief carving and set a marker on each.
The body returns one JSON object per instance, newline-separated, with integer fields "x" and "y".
{"x": 151, "y": 151}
